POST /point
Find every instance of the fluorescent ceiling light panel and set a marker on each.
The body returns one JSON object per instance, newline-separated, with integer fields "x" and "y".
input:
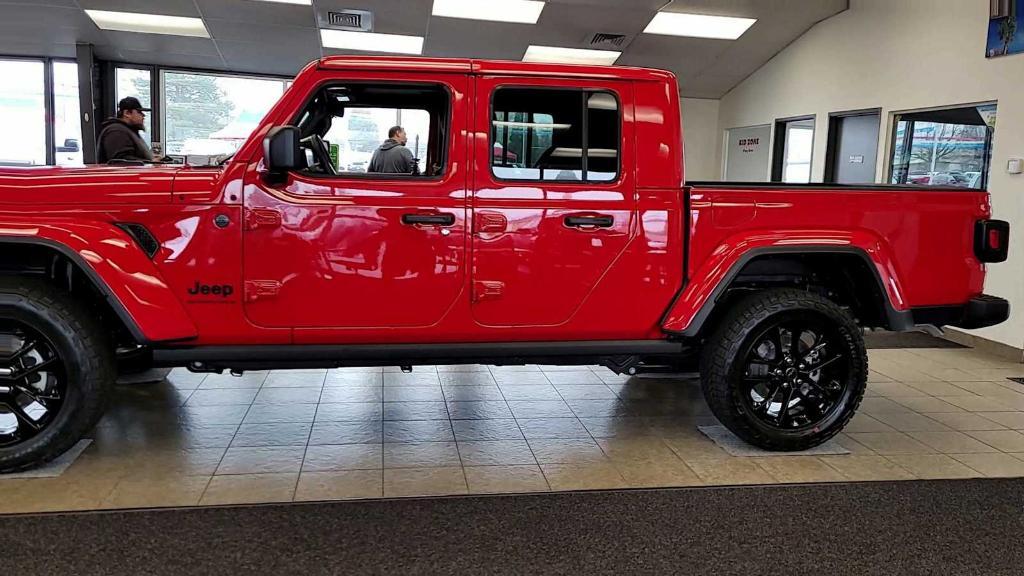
{"x": 698, "y": 25}
{"x": 570, "y": 55}
{"x": 519, "y": 11}
{"x": 148, "y": 23}
{"x": 371, "y": 42}
{"x": 301, "y": 2}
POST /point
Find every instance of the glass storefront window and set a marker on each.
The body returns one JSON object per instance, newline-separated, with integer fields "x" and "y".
{"x": 67, "y": 125}
{"x": 22, "y": 113}
{"x": 207, "y": 114}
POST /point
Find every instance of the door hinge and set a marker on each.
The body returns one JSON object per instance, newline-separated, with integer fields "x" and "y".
{"x": 261, "y": 218}
{"x": 261, "y": 289}
{"x": 487, "y": 290}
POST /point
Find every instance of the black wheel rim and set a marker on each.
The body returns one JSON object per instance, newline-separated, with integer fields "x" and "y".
{"x": 33, "y": 383}
{"x": 795, "y": 372}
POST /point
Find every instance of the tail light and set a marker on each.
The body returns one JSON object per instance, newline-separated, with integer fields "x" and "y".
{"x": 991, "y": 240}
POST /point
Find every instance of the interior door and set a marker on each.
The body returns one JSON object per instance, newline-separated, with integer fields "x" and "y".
{"x": 554, "y": 204}
{"x": 857, "y": 149}
{"x": 356, "y": 250}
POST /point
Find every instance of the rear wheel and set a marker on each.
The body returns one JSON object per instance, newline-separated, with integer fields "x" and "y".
{"x": 55, "y": 371}
{"x": 786, "y": 370}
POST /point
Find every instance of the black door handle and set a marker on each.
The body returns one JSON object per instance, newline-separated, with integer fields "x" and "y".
{"x": 589, "y": 221}
{"x": 428, "y": 219}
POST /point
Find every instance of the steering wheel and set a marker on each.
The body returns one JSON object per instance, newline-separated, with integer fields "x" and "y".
{"x": 321, "y": 153}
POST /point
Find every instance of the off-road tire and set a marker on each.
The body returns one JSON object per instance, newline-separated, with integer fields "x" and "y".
{"x": 722, "y": 367}
{"x": 88, "y": 359}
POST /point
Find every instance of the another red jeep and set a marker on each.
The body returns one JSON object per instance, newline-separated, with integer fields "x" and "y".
{"x": 579, "y": 244}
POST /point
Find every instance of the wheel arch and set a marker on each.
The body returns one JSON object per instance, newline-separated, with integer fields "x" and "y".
{"x": 121, "y": 276}
{"x": 867, "y": 291}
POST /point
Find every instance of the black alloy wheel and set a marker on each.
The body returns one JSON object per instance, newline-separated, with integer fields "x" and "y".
{"x": 33, "y": 383}
{"x": 795, "y": 372}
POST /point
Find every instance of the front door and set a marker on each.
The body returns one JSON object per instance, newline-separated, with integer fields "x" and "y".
{"x": 554, "y": 203}
{"x": 333, "y": 246}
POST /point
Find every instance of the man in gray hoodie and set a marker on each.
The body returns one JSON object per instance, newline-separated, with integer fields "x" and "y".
{"x": 392, "y": 157}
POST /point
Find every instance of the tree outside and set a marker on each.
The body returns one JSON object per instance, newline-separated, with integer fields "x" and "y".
{"x": 194, "y": 108}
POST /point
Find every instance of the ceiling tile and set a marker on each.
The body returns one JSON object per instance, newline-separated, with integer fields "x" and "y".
{"x": 449, "y": 37}
{"x": 258, "y": 12}
{"x": 262, "y": 57}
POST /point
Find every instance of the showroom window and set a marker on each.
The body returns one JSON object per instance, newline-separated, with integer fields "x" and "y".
{"x": 137, "y": 82}
{"x": 67, "y": 124}
{"x": 210, "y": 114}
{"x": 560, "y": 135}
{"x": 353, "y": 120}
{"x": 22, "y": 112}
{"x": 947, "y": 147}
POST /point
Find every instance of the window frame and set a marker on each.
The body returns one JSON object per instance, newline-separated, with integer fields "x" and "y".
{"x": 379, "y": 176}
{"x": 894, "y": 124}
{"x": 584, "y": 136}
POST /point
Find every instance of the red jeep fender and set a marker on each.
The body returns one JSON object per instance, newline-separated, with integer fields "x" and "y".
{"x": 695, "y": 302}
{"x": 117, "y": 266}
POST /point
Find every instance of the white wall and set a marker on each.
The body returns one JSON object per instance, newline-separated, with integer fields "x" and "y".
{"x": 902, "y": 55}
{"x": 700, "y": 139}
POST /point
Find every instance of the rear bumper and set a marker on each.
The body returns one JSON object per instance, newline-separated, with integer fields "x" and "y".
{"x": 978, "y": 312}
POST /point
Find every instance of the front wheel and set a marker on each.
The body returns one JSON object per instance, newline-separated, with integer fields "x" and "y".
{"x": 55, "y": 370}
{"x": 786, "y": 369}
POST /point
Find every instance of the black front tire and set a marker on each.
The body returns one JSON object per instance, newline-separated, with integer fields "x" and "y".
{"x": 730, "y": 374}
{"x": 83, "y": 371}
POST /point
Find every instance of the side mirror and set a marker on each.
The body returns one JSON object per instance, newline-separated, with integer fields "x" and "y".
{"x": 281, "y": 151}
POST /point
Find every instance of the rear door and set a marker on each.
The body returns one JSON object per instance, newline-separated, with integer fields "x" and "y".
{"x": 358, "y": 250}
{"x": 554, "y": 203}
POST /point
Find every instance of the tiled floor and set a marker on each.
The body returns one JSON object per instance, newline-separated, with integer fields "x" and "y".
{"x": 319, "y": 435}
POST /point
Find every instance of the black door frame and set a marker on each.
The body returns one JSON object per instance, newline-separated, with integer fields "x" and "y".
{"x": 832, "y": 144}
{"x": 779, "y": 143}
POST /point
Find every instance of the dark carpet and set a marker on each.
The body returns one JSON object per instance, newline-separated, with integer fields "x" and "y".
{"x": 917, "y": 527}
{"x": 890, "y": 340}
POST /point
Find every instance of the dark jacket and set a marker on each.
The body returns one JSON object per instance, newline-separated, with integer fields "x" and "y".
{"x": 392, "y": 158}
{"x": 120, "y": 141}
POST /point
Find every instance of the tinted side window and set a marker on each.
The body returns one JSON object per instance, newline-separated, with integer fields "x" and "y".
{"x": 559, "y": 135}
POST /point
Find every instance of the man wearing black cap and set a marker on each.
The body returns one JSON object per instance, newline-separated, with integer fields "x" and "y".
{"x": 119, "y": 139}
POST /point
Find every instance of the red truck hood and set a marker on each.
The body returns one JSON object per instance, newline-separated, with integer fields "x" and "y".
{"x": 96, "y": 184}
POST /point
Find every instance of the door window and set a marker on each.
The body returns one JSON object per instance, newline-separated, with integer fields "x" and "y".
{"x": 950, "y": 147}
{"x": 560, "y": 135}
{"x": 345, "y": 125}
{"x": 794, "y": 144}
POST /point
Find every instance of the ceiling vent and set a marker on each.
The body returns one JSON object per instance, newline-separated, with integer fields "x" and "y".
{"x": 609, "y": 41}
{"x": 351, "y": 20}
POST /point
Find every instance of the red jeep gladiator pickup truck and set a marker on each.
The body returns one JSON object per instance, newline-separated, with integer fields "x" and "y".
{"x": 577, "y": 242}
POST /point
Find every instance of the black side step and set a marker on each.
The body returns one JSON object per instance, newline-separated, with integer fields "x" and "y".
{"x": 218, "y": 358}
